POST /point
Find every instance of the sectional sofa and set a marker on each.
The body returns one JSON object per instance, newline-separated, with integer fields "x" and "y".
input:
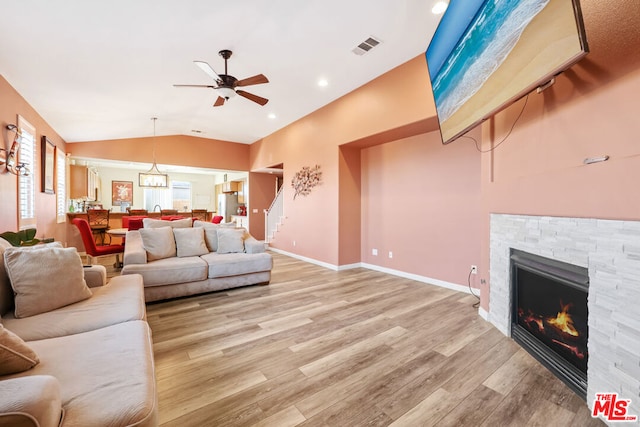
{"x": 181, "y": 258}
{"x": 74, "y": 349}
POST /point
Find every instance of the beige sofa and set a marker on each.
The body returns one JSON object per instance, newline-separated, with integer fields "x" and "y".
{"x": 95, "y": 356}
{"x": 209, "y": 257}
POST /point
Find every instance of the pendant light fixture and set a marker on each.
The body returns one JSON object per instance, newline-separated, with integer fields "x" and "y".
{"x": 153, "y": 178}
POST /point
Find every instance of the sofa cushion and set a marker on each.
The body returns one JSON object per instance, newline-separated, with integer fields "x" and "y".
{"x": 32, "y": 400}
{"x": 6, "y": 292}
{"x": 121, "y": 300}
{"x": 169, "y": 271}
{"x": 233, "y": 264}
{"x": 44, "y": 279}
{"x": 190, "y": 242}
{"x": 158, "y": 242}
{"x": 158, "y": 223}
{"x": 230, "y": 240}
{"x": 210, "y": 234}
{"x": 15, "y": 354}
{"x": 106, "y": 375}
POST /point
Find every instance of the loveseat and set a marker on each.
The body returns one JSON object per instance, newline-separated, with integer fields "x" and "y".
{"x": 185, "y": 257}
{"x": 74, "y": 349}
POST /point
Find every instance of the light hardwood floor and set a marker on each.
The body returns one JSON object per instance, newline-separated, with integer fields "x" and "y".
{"x": 353, "y": 348}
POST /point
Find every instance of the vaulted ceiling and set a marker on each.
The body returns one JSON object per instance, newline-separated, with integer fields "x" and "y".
{"x": 100, "y": 70}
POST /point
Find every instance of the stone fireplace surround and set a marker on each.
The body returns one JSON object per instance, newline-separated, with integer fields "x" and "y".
{"x": 610, "y": 250}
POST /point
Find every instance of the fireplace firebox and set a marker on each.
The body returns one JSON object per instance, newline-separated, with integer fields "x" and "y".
{"x": 549, "y": 315}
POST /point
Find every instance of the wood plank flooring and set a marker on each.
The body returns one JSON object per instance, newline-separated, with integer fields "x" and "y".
{"x": 353, "y": 348}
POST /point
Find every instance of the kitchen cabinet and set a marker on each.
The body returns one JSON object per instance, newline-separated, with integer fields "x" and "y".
{"x": 231, "y": 186}
{"x": 85, "y": 183}
{"x": 241, "y": 192}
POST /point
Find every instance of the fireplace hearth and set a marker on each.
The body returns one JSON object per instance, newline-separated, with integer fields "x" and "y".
{"x": 549, "y": 315}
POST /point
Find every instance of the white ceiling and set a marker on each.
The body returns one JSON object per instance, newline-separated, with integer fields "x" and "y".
{"x": 100, "y": 70}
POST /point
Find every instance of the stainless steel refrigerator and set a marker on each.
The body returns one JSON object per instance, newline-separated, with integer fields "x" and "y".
{"x": 227, "y": 206}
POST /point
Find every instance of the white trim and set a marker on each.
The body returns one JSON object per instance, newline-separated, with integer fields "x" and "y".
{"x": 483, "y": 313}
{"x": 304, "y": 258}
{"x": 418, "y": 278}
{"x": 411, "y": 276}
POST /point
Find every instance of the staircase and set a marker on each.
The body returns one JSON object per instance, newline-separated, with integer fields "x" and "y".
{"x": 273, "y": 216}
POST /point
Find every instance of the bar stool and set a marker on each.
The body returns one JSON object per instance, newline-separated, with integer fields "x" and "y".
{"x": 98, "y": 220}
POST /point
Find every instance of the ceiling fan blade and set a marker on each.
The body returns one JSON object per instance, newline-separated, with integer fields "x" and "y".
{"x": 255, "y": 80}
{"x": 219, "y": 102}
{"x": 255, "y": 98}
{"x": 207, "y": 69}
{"x": 212, "y": 87}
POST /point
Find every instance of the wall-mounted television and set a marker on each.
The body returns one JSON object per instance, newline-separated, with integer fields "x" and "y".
{"x": 487, "y": 54}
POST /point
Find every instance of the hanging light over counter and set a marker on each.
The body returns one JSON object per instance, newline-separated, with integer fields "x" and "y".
{"x": 153, "y": 178}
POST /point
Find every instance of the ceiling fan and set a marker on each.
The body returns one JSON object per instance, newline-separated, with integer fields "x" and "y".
{"x": 226, "y": 84}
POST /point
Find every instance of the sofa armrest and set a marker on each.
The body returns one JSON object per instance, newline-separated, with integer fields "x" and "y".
{"x": 95, "y": 275}
{"x": 134, "y": 252}
{"x": 32, "y": 401}
{"x": 253, "y": 246}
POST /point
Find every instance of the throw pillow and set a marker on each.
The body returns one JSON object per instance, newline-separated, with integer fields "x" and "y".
{"x": 158, "y": 242}
{"x": 6, "y": 292}
{"x": 230, "y": 240}
{"x": 210, "y": 234}
{"x": 190, "y": 241}
{"x": 45, "y": 278}
{"x": 158, "y": 223}
{"x": 15, "y": 354}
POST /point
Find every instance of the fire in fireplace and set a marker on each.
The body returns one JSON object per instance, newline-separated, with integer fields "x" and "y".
{"x": 549, "y": 315}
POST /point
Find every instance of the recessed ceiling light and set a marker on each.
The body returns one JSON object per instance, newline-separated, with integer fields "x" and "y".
{"x": 323, "y": 82}
{"x": 272, "y": 116}
{"x": 439, "y": 7}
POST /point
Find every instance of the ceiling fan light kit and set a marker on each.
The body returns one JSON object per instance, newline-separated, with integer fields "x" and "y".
{"x": 226, "y": 84}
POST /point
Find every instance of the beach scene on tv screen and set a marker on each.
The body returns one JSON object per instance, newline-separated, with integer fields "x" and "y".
{"x": 488, "y": 53}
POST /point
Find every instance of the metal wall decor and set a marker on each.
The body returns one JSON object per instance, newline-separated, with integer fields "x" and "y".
{"x": 305, "y": 179}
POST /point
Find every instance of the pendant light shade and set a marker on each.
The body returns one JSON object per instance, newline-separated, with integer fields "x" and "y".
{"x": 153, "y": 178}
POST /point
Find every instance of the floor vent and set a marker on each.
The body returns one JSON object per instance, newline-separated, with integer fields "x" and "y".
{"x": 366, "y": 46}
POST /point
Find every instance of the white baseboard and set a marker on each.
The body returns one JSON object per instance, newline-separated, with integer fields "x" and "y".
{"x": 416, "y": 277}
{"x": 483, "y": 313}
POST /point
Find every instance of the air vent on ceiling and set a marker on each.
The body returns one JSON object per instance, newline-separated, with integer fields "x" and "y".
{"x": 366, "y": 46}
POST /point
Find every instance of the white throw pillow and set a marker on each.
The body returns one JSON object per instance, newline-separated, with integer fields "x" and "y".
{"x": 44, "y": 279}
{"x": 158, "y": 242}
{"x": 159, "y": 223}
{"x": 210, "y": 234}
{"x": 190, "y": 241}
{"x": 230, "y": 240}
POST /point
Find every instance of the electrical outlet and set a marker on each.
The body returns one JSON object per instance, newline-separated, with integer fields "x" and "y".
{"x": 294, "y": 243}
{"x": 374, "y": 252}
{"x": 474, "y": 269}
{"x": 390, "y": 254}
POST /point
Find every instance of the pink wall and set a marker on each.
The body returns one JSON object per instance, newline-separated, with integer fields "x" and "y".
{"x": 11, "y": 106}
{"x": 591, "y": 111}
{"x": 262, "y": 191}
{"x": 319, "y": 222}
{"x": 181, "y": 150}
{"x": 421, "y": 200}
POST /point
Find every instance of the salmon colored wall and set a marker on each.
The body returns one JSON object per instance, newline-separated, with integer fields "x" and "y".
{"x": 421, "y": 201}
{"x": 262, "y": 191}
{"x": 11, "y": 106}
{"x": 349, "y": 200}
{"x": 395, "y": 99}
{"x": 180, "y": 150}
{"x": 591, "y": 111}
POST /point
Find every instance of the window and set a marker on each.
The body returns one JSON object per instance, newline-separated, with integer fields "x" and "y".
{"x": 181, "y": 194}
{"x": 61, "y": 186}
{"x": 26, "y": 183}
{"x": 178, "y": 196}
